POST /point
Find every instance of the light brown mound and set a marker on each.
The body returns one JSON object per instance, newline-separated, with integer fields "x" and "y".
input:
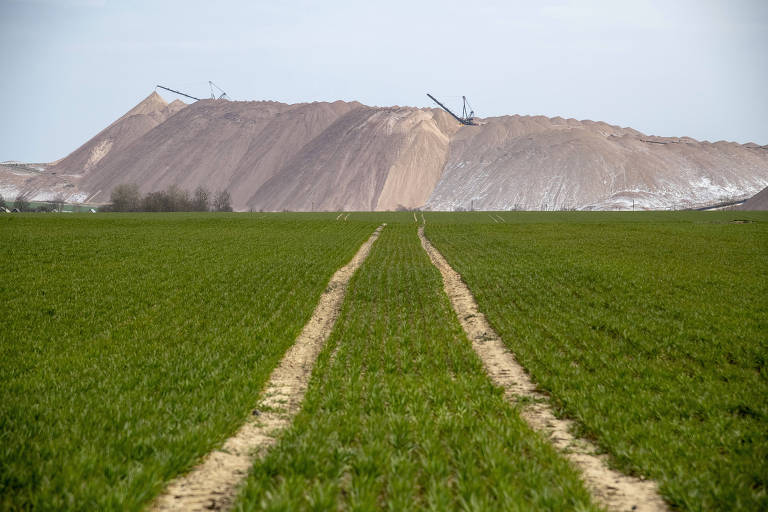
{"x": 346, "y": 156}
{"x": 757, "y": 202}
{"x": 213, "y": 484}
{"x": 151, "y": 112}
{"x": 610, "y": 488}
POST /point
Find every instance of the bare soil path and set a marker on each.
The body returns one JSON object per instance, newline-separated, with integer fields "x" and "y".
{"x": 213, "y": 484}
{"x": 612, "y": 489}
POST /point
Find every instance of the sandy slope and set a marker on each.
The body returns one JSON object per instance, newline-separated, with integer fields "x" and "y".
{"x": 757, "y": 202}
{"x": 64, "y": 177}
{"x": 369, "y": 159}
{"x": 149, "y": 113}
{"x": 216, "y": 144}
{"x": 541, "y": 163}
{"x": 347, "y": 156}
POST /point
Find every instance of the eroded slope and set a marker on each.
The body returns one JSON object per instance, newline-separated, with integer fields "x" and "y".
{"x": 346, "y": 156}
{"x": 369, "y": 159}
{"x": 516, "y": 162}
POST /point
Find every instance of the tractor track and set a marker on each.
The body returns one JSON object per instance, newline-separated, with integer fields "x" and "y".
{"x": 213, "y": 484}
{"x": 610, "y": 488}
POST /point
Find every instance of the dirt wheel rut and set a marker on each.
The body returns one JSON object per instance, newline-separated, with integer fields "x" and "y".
{"x": 213, "y": 484}
{"x": 612, "y": 489}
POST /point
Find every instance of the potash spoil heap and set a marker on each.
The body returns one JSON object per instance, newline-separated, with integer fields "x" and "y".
{"x": 347, "y": 156}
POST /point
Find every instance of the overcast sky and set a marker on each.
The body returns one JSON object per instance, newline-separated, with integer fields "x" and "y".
{"x": 673, "y": 68}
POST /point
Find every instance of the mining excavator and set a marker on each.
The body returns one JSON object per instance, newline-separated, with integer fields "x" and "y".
{"x": 222, "y": 96}
{"x": 467, "y": 114}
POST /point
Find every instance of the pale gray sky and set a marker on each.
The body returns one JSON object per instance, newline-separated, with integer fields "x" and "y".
{"x": 687, "y": 67}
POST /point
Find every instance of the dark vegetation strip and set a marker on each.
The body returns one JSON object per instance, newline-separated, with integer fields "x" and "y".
{"x": 651, "y": 333}
{"x": 133, "y": 344}
{"x": 402, "y": 416}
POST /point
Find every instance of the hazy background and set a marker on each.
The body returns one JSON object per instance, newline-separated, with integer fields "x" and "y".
{"x": 697, "y": 68}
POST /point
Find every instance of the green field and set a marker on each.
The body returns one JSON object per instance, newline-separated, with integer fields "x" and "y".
{"x": 649, "y": 329}
{"x": 403, "y": 416}
{"x": 132, "y": 344}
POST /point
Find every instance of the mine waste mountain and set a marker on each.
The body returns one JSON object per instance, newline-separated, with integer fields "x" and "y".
{"x": 757, "y": 202}
{"x": 347, "y": 156}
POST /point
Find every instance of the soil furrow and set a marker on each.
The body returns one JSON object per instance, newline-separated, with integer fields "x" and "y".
{"x": 213, "y": 484}
{"x": 612, "y": 489}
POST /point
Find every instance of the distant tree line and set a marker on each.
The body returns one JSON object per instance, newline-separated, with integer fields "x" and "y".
{"x": 23, "y": 203}
{"x": 127, "y": 198}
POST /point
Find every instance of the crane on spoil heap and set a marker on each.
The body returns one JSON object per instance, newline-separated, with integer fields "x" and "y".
{"x": 176, "y": 92}
{"x": 222, "y": 96}
{"x": 467, "y": 115}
